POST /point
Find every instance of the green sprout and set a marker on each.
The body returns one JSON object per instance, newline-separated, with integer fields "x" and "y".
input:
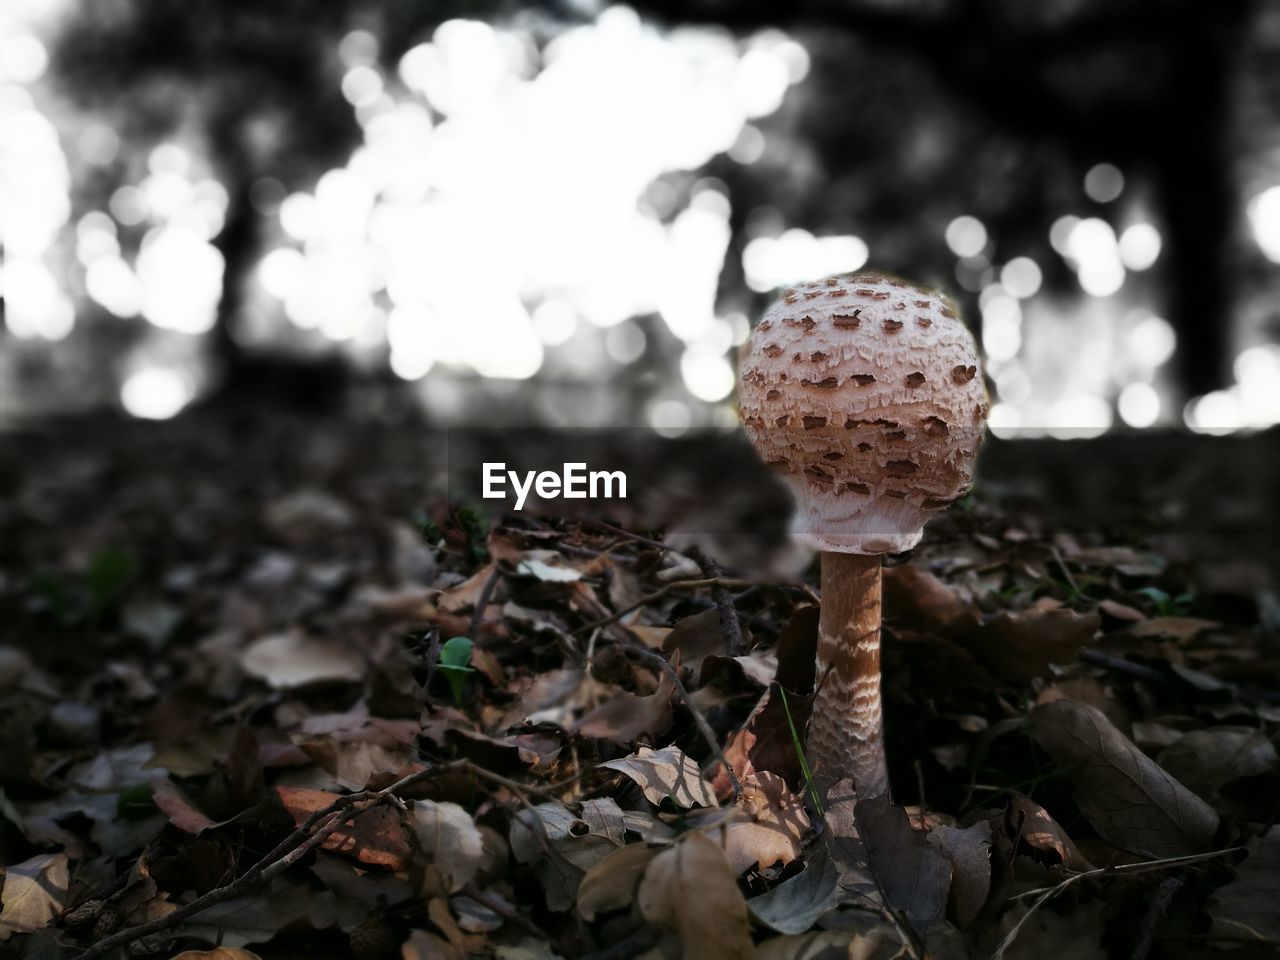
{"x": 455, "y": 662}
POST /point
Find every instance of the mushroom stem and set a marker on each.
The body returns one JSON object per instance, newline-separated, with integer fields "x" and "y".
{"x": 845, "y": 732}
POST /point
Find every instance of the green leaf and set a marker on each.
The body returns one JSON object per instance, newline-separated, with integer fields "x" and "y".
{"x": 135, "y": 802}
{"x": 456, "y": 655}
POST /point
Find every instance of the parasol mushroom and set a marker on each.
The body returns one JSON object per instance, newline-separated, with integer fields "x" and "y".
{"x": 864, "y": 392}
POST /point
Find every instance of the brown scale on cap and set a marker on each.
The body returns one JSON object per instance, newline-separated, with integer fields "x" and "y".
{"x": 902, "y": 403}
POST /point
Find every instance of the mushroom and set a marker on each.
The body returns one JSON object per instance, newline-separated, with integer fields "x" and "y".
{"x": 864, "y": 391}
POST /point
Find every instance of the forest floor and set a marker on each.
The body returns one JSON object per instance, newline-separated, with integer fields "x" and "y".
{"x": 259, "y": 691}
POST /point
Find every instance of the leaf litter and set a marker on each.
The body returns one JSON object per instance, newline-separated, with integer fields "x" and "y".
{"x": 335, "y": 723}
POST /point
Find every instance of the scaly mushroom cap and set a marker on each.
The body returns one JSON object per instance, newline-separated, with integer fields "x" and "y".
{"x": 865, "y": 392}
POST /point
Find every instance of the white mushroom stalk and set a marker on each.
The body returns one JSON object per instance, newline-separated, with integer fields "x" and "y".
{"x": 864, "y": 392}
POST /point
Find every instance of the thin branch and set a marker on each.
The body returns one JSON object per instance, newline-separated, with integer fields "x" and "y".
{"x": 730, "y": 625}
{"x": 1052, "y": 892}
{"x": 310, "y": 834}
{"x": 662, "y": 592}
{"x": 486, "y": 592}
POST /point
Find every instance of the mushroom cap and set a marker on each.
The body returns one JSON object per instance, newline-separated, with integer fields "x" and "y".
{"x": 864, "y": 391}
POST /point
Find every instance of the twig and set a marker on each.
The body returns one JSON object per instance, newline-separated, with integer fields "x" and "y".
{"x": 699, "y": 720}
{"x": 1164, "y": 895}
{"x": 1141, "y": 671}
{"x": 312, "y": 832}
{"x": 1051, "y": 892}
{"x": 505, "y": 912}
{"x": 657, "y": 544}
{"x": 477, "y": 615}
{"x": 659, "y": 594}
{"x": 729, "y": 622}
{"x": 1062, "y": 565}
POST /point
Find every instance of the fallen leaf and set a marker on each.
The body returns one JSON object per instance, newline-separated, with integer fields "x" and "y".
{"x": 611, "y": 884}
{"x": 919, "y": 600}
{"x": 697, "y": 637}
{"x": 1121, "y": 611}
{"x": 691, "y": 891}
{"x": 1246, "y": 907}
{"x": 296, "y": 659}
{"x": 175, "y": 804}
{"x": 798, "y": 649}
{"x": 626, "y": 717}
{"x": 773, "y": 826}
{"x": 1178, "y": 628}
{"x": 969, "y": 850}
{"x": 466, "y": 595}
{"x": 666, "y": 773}
{"x": 35, "y": 892}
{"x": 353, "y": 764}
{"x": 795, "y": 905}
{"x": 564, "y": 845}
{"x": 374, "y": 836}
{"x": 1028, "y": 822}
{"x": 218, "y": 953}
{"x": 1019, "y": 646}
{"x": 912, "y": 874}
{"x": 1124, "y": 794}
{"x": 450, "y": 840}
{"x": 546, "y": 565}
{"x": 1206, "y": 760}
{"x": 765, "y": 742}
{"x": 882, "y": 860}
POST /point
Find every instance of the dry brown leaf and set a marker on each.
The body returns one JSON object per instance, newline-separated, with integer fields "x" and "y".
{"x": 374, "y": 837}
{"x": 1121, "y": 611}
{"x": 626, "y": 717}
{"x": 1124, "y": 794}
{"x": 453, "y": 845}
{"x": 1028, "y": 822}
{"x": 969, "y": 850}
{"x": 919, "y": 600}
{"x": 691, "y": 891}
{"x": 698, "y": 637}
{"x": 466, "y": 595}
{"x": 774, "y": 826}
{"x": 797, "y": 650}
{"x": 175, "y": 804}
{"x": 1087, "y": 689}
{"x": 764, "y": 742}
{"x": 1019, "y": 646}
{"x": 296, "y": 659}
{"x": 796, "y": 904}
{"x": 564, "y": 845}
{"x": 35, "y": 892}
{"x": 666, "y": 773}
{"x": 1246, "y": 907}
{"x": 611, "y": 884}
{"x": 1179, "y": 628}
{"x": 352, "y": 765}
{"x": 1206, "y": 760}
{"x": 883, "y": 861}
{"x": 217, "y": 953}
